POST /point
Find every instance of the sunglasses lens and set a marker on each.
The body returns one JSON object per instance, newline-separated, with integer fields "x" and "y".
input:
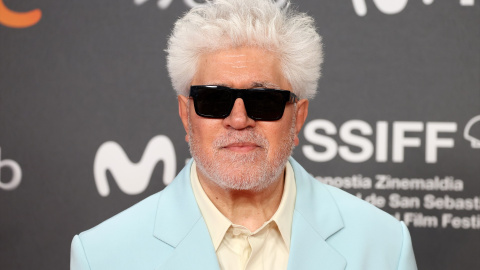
{"x": 218, "y": 101}
{"x": 264, "y": 105}
{"x": 212, "y": 103}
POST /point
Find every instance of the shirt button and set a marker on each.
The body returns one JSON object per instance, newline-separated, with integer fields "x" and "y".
{"x": 236, "y": 232}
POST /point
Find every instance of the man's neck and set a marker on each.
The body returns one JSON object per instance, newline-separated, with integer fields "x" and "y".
{"x": 250, "y": 209}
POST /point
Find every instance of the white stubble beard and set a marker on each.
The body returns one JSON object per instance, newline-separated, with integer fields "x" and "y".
{"x": 242, "y": 171}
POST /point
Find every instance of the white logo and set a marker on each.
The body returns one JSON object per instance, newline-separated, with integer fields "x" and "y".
{"x": 164, "y": 4}
{"x": 133, "y": 178}
{"x": 16, "y": 173}
{"x": 467, "y": 2}
{"x": 475, "y": 142}
{"x": 356, "y": 133}
{"x": 391, "y": 7}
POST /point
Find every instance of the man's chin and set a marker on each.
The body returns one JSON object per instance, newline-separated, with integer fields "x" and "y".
{"x": 243, "y": 176}
{"x": 241, "y": 160}
{"x": 243, "y": 185}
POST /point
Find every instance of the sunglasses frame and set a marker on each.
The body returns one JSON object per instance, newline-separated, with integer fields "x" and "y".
{"x": 287, "y": 97}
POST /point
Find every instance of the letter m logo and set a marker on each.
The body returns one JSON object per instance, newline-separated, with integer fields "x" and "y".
{"x": 133, "y": 178}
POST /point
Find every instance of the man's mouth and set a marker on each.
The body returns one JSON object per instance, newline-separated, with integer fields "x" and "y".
{"x": 242, "y": 147}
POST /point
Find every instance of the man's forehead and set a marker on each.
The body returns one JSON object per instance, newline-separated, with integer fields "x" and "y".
{"x": 240, "y": 67}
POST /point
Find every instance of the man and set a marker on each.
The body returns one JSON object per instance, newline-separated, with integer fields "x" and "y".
{"x": 243, "y": 70}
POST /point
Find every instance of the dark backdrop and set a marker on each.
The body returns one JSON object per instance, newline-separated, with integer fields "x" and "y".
{"x": 84, "y": 89}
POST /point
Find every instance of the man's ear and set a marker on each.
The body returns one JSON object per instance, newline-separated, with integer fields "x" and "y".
{"x": 183, "y": 112}
{"x": 302, "y": 112}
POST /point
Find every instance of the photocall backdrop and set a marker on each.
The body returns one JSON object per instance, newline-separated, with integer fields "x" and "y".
{"x": 89, "y": 123}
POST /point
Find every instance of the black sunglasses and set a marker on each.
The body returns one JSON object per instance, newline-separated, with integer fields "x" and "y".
{"x": 214, "y": 101}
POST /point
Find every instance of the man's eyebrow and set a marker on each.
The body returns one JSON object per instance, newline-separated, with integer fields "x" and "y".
{"x": 217, "y": 84}
{"x": 264, "y": 85}
{"x": 252, "y": 85}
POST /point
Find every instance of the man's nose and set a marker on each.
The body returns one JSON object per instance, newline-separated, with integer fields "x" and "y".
{"x": 238, "y": 118}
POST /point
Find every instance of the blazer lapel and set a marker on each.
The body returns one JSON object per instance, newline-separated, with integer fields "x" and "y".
{"x": 179, "y": 223}
{"x": 195, "y": 251}
{"x": 315, "y": 219}
{"x": 308, "y": 250}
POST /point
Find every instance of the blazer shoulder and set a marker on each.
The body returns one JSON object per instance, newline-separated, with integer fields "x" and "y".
{"x": 139, "y": 214}
{"x": 355, "y": 208}
{"x": 142, "y": 215}
{"x": 329, "y": 199}
{"x": 366, "y": 236}
{"x": 124, "y": 241}
{"x": 369, "y": 230}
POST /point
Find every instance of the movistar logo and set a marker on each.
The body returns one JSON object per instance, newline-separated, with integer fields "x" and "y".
{"x": 133, "y": 178}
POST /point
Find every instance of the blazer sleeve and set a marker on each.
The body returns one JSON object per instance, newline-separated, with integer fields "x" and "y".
{"x": 78, "y": 259}
{"x": 407, "y": 258}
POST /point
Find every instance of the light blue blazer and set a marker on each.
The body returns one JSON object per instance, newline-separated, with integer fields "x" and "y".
{"x": 331, "y": 230}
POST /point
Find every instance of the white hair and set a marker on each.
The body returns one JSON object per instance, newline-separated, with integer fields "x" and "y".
{"x": 223, "y": 24}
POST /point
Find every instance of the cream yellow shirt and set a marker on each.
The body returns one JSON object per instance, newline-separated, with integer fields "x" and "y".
{"x": 238, "y": 248}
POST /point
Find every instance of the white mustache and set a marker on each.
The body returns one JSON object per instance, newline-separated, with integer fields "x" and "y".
{"x": 244, "y": 136}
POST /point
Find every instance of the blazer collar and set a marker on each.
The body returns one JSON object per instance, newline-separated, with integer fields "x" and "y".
{"x": 177, "y": 210}
{"x": 316, "y": 218}
{"x": 179, "y": 223}
{"x": 315, "y": 203}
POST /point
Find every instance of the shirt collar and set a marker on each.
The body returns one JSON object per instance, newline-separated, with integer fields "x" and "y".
{"x": 218, "y": 224}
{"x": 284, "y": 214}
